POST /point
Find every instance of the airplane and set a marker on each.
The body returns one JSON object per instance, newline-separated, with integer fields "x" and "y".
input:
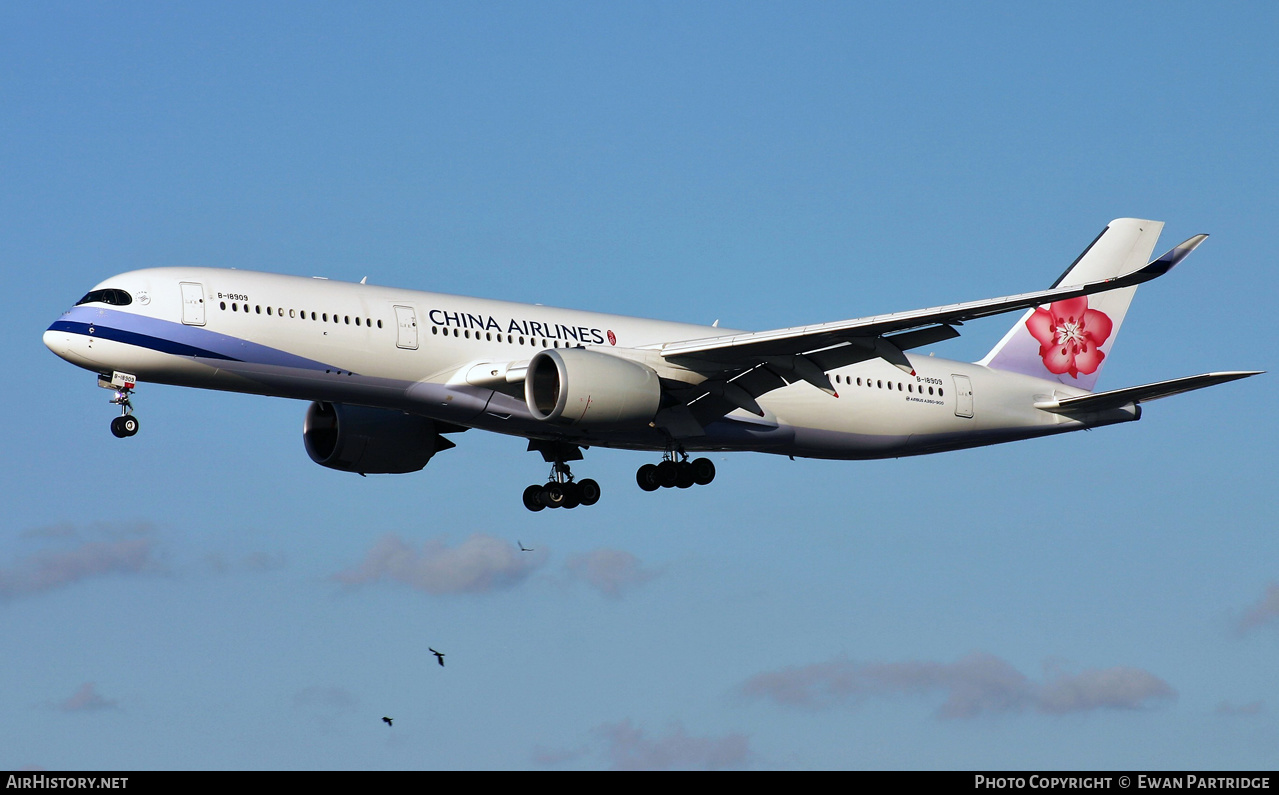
{"x": 390, "y": 373}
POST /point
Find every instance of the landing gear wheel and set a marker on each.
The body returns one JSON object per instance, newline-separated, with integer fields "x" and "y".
{"x": 647, "y": 479}
{"x": 683, "y": 475}
{"x": 124, "y": 425}
{"x": 668, "y": 473}
{"x": 703, "y": 471}
{"x": 588, "y": 491}
{"x": 572, "y": 495}
{"x": 532, "y": 498}
{"x": 553, "y": 495}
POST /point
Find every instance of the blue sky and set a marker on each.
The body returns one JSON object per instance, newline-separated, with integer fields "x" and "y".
{"x": 202, "y": 596}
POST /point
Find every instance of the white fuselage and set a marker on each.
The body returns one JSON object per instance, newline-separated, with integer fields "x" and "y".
{"x": 435, "y": 355}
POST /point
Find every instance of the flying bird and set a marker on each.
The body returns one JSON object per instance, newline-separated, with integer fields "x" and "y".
{"x": 439, "y": 656}
{"x": 386, "y": 720}
{"x": 522, "y": 547}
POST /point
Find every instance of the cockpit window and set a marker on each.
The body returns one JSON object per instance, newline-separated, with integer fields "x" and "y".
{"x": 108, "y": 296}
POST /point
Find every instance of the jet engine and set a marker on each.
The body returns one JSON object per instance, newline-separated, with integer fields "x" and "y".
{"x": 369, "y": 441}
{"x": 575, "y": 386}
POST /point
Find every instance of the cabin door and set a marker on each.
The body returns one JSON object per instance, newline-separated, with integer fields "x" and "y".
{"x": 963, "y": 396}
{"x": 406, "y": 328}
{"x": 192, "y": 303}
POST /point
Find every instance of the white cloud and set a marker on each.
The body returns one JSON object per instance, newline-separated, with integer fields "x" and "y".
{"x": 479, "y": 564}
{"x": 977, "y": 684}
{"x": 610, "y": 571}
{"x": 53, "y": 569}
{"x": 1265, "y": 611}
{"x": 86, "y": 699}
{"x": 629, "y": 748}
{"x": 1251, "y": 708}
{"x": 1109, "y": 688}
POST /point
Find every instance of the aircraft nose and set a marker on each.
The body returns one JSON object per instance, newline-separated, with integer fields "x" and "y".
{"x": 65, "y": 345}
{"x": 57, "y": 341}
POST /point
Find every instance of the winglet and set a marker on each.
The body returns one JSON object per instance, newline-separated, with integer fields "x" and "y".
{"x": 1175, "y": 255}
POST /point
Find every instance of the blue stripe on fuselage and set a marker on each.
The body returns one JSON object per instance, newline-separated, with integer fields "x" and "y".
{"x": 102, "y": 332}
{"x": 178, "y": 339}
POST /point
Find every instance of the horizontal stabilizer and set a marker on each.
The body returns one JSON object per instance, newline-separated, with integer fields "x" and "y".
{"x": 1117, "y": 398}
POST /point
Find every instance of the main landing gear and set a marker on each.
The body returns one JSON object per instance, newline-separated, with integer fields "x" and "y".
{"x": 675, "y": 471}
{"x": 561, "y": 491}
{"x": 126, "y": 424}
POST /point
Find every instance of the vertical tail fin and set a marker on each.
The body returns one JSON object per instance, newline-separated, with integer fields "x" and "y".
{"x": 1067, "y": 341}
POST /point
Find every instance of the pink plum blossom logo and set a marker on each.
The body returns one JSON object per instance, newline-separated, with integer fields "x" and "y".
{"x": 1070, "y": 336}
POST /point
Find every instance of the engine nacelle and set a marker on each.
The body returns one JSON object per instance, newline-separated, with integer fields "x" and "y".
{"x": 369, "y": 441}
{"x": 574, "y": 386}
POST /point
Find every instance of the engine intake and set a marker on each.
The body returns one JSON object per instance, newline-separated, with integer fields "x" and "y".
{"x": 574, "y": 386}
{"x": 369, "y": 441}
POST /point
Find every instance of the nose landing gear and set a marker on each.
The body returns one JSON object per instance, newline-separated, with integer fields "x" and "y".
{"x": 126, "y": 424}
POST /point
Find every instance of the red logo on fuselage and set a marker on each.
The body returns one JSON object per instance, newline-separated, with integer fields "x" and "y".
{"x": 612, "y": 338}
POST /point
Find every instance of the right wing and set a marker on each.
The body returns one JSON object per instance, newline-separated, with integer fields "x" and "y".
{"x": 805, "y": 339}
{"x": 741, "y": 367}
